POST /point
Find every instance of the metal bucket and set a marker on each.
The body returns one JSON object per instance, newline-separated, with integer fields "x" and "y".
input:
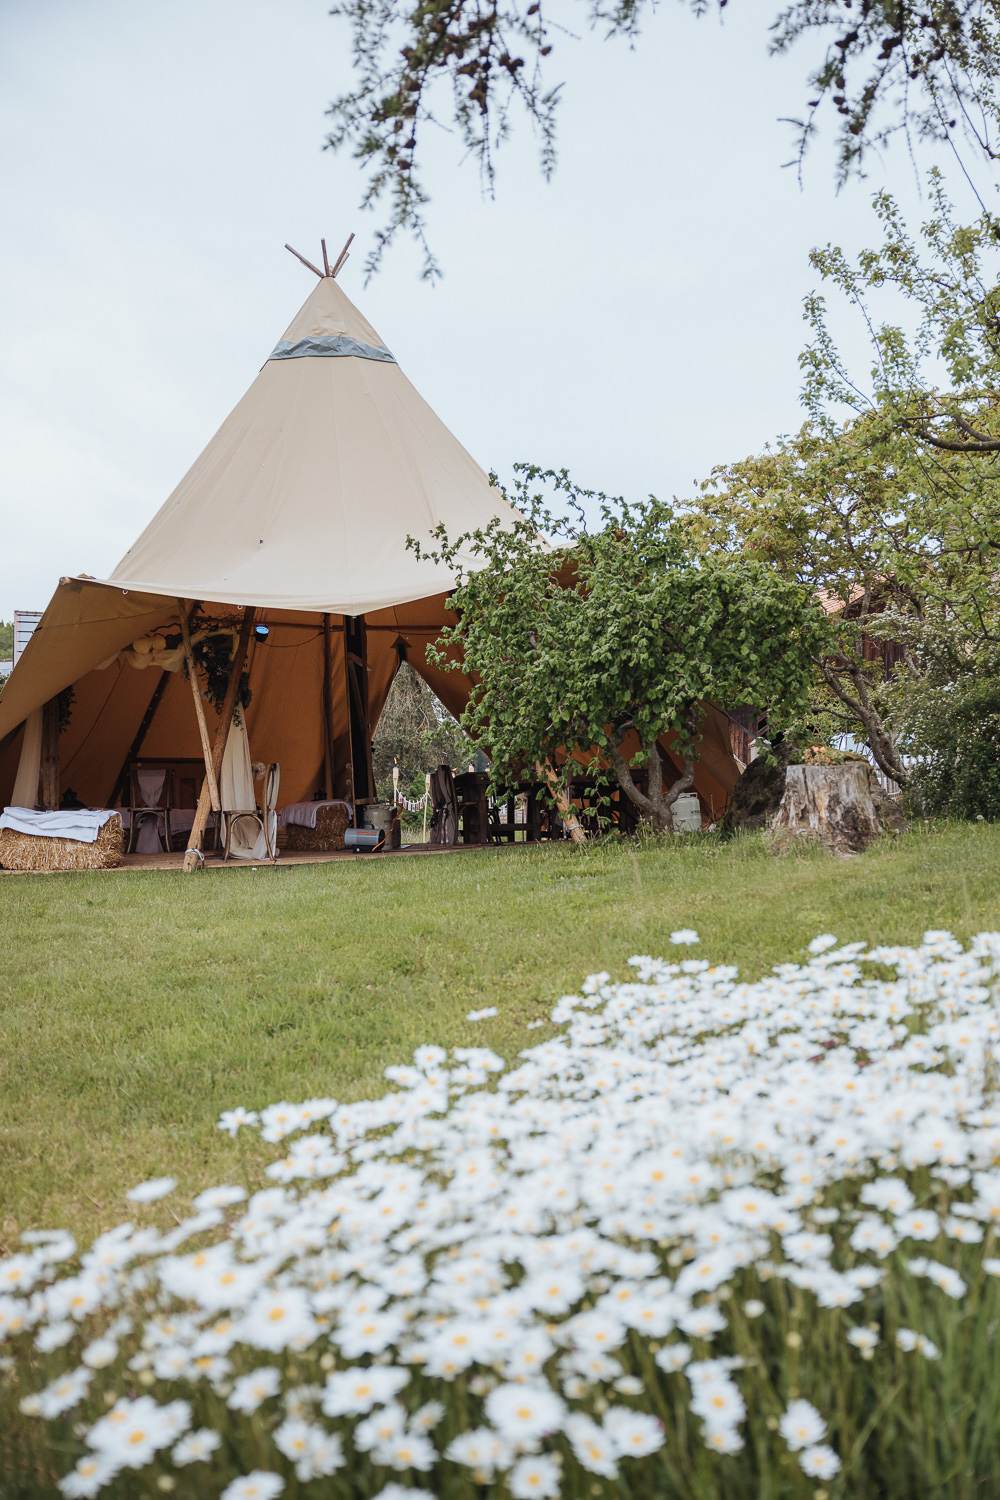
{"x": 381, "y": 816}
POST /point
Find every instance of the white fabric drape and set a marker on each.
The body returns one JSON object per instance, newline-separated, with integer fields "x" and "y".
{"x": 237, "y": 793}
{"x": 81, "y": 824}
{"x": 151, "y": 785}
{"x": 150, "y": 788}
{"x": 29, "y": 767}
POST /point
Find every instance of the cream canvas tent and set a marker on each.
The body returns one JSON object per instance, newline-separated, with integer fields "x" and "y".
{"x": 298, "y": 508}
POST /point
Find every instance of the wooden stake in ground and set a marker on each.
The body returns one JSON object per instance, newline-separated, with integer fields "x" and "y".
{"x": 192, "y": 856}
{"x": 567, "y": 811}
{"x": 199, "y": 707}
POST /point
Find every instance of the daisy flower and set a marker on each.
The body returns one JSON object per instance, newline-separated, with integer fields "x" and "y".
{"x": 801, "y": 1425}
{"x": 260, "y": 1485}
{"x": 149, "y": 1192}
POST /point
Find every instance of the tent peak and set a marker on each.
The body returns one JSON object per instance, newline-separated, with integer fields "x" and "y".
{"x": 341, "y": 260}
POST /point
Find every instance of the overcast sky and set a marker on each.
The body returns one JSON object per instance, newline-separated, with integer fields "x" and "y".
{"x": 637, "y": 320}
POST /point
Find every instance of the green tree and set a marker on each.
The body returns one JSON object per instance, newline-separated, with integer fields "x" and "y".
{"x": 929, "y": 70}
{"x": 614, "y": 636}
{"x": 6, "y": 640}
{"x": 837, "y": 509}
{"x": 416, "y": 732}
{"x": 894, "y": 515}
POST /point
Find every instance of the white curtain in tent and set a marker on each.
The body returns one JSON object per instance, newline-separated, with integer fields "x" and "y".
{"x": 237, "y": 793}
{"x": 29, "y": 767}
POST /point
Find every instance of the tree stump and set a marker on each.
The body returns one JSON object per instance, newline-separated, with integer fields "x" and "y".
{"x": 831, "y": 803}
{"x": 757, "y": 795}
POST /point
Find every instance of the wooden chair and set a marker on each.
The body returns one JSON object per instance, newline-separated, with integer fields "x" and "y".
{"x": 149, "y": 800}
{"x": 265, "y": 817}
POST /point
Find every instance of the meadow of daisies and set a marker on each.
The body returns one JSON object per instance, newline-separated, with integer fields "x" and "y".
{"x": 697, "y": 1235}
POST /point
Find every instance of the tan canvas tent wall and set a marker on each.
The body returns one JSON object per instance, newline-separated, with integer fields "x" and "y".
{"x": 300, "y": 507}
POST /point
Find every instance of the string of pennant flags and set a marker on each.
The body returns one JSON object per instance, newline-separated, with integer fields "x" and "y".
{"x": 409, "y": 804}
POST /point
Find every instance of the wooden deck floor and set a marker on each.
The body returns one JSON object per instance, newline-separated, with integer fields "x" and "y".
{"x": 290, "y": 857}
{"x": 287, "y": 858}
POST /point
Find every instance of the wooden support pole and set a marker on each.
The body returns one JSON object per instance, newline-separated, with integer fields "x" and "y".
{"x": 326, "y": 263}
{"x": 192, "y": 856}
{"x": 328, "y": 735}
{"x": 199, "y": 707}
{"x": 50, "y": 755}
{"x": 305, "y": 262}
{"x": 342, "y": 257}
{"x": 567, "y": 811}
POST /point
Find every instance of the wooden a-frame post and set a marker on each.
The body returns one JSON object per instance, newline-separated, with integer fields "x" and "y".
{"x": 199, "y": 707}
{"x": 213, "y": 762}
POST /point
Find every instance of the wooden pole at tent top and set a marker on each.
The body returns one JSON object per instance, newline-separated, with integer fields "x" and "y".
{"x": 342, "y": 257}
{"x": 341, "y": 260}
{"x": 192, "y": 856}
{"x": 305, "y": 262}
{"x": 199, "y": 707}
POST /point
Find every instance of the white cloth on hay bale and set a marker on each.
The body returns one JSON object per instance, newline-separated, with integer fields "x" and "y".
{"x": 304, "y": 813}
{"x": 237, "y": 793}
{"x": 79, "y": 824}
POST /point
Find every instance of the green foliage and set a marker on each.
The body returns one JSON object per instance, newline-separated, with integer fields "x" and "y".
{"x": 929, "y": 71}
{"x": 212, "y": 646}
{"x": 416, "y": 731}
{"x": 613, "y": 635}
{"x": 6, "y": 640}
{"x": 951, "y": 724}
{"x": 894, "y": 515}
{"x": 946, "y": 278}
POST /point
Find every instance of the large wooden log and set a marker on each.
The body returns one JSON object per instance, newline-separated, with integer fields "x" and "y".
{"x": 545, "y": 770}
{"x": 50, "y": 755}
{"x": 831, "y": 803}
{"x": 199, "y": 707}
{"x": 192, "y": 855}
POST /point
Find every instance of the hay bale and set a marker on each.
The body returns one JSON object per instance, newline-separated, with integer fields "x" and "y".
{"x": 28, "y": 852}
{"x": 328, "y": 835}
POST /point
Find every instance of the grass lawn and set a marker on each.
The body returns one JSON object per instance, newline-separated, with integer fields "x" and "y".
{"x": 135, "y": 1007}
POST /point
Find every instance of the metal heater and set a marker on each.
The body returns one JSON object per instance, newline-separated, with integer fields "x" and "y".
{"x": 364, "y": 840}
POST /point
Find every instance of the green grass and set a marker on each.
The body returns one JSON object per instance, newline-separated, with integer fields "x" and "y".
{"x": 134, "y": 1007}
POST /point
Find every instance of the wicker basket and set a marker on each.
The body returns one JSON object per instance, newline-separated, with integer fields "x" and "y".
{"x": 28, "y": 851}
{"x": 328, "y": 834}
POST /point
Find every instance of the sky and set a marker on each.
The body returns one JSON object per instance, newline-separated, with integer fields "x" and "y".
{"x": 637, "y": 320}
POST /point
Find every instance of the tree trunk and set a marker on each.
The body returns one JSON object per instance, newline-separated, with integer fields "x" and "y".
{"x": 881, "y": 742}
{"x": 831, "y": 803}
{"x": 656, "y": 807}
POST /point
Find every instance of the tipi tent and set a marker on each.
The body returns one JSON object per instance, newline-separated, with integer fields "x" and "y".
{"x": 299, "y": 508}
